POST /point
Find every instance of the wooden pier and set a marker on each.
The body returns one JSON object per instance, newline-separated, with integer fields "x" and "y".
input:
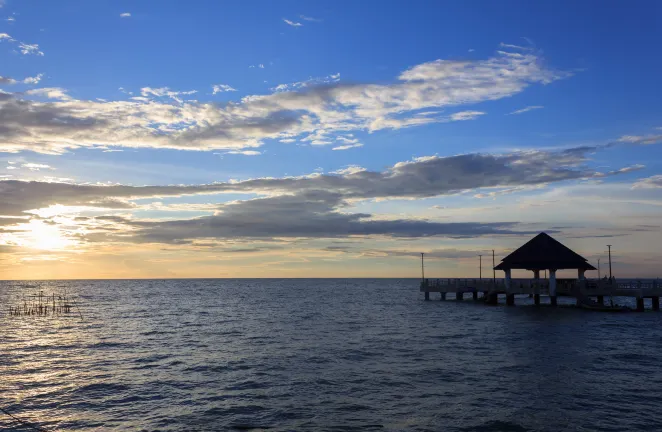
{"x": 488, "y": 290}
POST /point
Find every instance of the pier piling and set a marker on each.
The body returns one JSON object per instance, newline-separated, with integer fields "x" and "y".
{"x": 510, "y": 299}
{"x": 601, "y": 299}
{"x": 552, "y": 300}
{"x": 656, "y": 303}
{"x": 459, "y": 296}
{"x": 536, "y": 299}
{"x": 640, "y": 304}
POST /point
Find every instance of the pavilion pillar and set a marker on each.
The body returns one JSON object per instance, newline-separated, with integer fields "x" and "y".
{"x": 552, "y": 287}
{"x": 507, "y": 279}
{"x": 582, "y": 279}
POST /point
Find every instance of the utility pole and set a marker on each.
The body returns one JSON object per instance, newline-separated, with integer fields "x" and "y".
{"x": 609, "y": 246}
{"x": 599, "y": 277}
{"x": 480, "y": 267}
{"x": 493, "y": 271}
{"x": 422, "y": 268}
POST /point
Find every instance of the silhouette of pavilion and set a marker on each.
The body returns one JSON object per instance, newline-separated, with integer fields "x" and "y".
{"x": 544, "y": 253}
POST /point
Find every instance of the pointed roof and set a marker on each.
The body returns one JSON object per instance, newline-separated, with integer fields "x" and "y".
{"x": 543, "y": 252}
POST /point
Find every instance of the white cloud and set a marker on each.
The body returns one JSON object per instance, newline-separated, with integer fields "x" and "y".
{"x": 10, "y": 19}
{"x": 308, "y": 83}
{"x": 220, "y": 88}
{"x": 311, "y": 19}
{"x": 261, "y": 66}
{"x": 347, "y": 147}
{"x": 292, "y": 23}
{"x": 527, "y": 109}
{"x": 29, "y": 49}
{"x": 50, "y": 93}
{"x": 36, "y": 166}
{"x": 34, "y": 79}
{"x": 653, "y": 182}
{"x": 466, "y": 115}
{"x": 125, "y": 15}
{"x": 517, "y": 47}
{"x": 315, "y": 114}
{"x": 349, "y": 170}
{"x": 146, "y": 92}
{"x": 641, "y": 139}
{"x": 245, "y": 152}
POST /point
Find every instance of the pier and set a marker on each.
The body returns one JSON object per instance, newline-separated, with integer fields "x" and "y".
{"x": 545, "y": 253}
{"x": 487, "y": 291}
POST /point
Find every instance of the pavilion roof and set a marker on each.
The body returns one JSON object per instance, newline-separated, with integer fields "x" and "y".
{"x": 543, "y": 252}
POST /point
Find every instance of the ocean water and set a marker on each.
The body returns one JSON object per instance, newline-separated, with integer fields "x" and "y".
{"x": 330, "y": 355}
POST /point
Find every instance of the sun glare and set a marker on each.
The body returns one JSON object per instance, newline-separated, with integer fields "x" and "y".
{"x": 40, "y": 235}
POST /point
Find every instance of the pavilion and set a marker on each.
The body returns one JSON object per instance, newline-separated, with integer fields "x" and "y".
{"x": 544, "y": 253}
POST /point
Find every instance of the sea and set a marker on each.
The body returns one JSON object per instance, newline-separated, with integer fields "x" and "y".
{"x": 320, "y": 355}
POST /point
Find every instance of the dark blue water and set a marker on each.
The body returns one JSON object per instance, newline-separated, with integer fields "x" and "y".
{"x": 333, "y": 355}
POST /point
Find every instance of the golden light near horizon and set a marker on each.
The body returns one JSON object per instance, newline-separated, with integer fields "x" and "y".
{"x": 37, "y": 234}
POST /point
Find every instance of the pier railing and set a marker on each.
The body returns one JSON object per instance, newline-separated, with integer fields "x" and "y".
{"x": 590, "y": 287}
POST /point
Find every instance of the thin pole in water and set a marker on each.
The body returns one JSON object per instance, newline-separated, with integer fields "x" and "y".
{"x": 610, "y": 276}
{"x": 422, "y": 268}
{"x": 599, "y": 276}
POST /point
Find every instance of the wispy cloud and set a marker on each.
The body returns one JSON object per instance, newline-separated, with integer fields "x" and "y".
{"x": 466, "y": 115}
{"x": 641, "y": 139}
{"x": 308, "y": 83}
{"x": 23, "y": 47}
{"x": 220, "y": 88}
{"x": 36, "y": 166}
{"x": 527, "y": 109}
{"x": 292, "y": 23}
{"x": 244, "y": 152}
{"x": 125, "y": 15}
{"x": 347, "y": 147}
{"x": 29, "y": 49}
{"x": 311, "y": 19}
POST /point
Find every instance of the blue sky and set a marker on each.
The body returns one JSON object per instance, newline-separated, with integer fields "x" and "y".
{"x": 122, "y": 93}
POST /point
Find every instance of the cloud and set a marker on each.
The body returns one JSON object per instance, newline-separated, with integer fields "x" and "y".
{"x": 125, "y": 15}
{"x": 311, "y": 19}
{"x": 516, "y": 47}
{"x": 220, "y": 88}
{"x": 29, "y": 49}
{"x": 308, "y": 215}
{"x": 147, "y": 92}
{"x": 466, "y": 115}
{"x": 527, "y": 109}
{"x": 23, "y": 47}
{"x": 7, "y": 80}
{"x": 654, "y": 182}
{"x": 635, "y": 139}
{"x": 244, "y": 152}
{"x": 292, "y": 23}
{"x": 33, "y": 80}
{"x": 36, "y": 166}
{"x": 335, "y": 108}
{"x": 423, "y": 177}
{"x": 261, "y": 66}
{"x": 347, "y": 147}
{"x": 311, "y": 82}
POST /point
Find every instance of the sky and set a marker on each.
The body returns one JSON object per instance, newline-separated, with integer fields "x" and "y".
{"x": 326, "y": 139}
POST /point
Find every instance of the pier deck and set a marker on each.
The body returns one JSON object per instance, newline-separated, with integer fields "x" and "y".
{"x": 639, "y": 289}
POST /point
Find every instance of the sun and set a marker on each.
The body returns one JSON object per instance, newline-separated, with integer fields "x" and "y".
{"x": 40, "y": 235}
